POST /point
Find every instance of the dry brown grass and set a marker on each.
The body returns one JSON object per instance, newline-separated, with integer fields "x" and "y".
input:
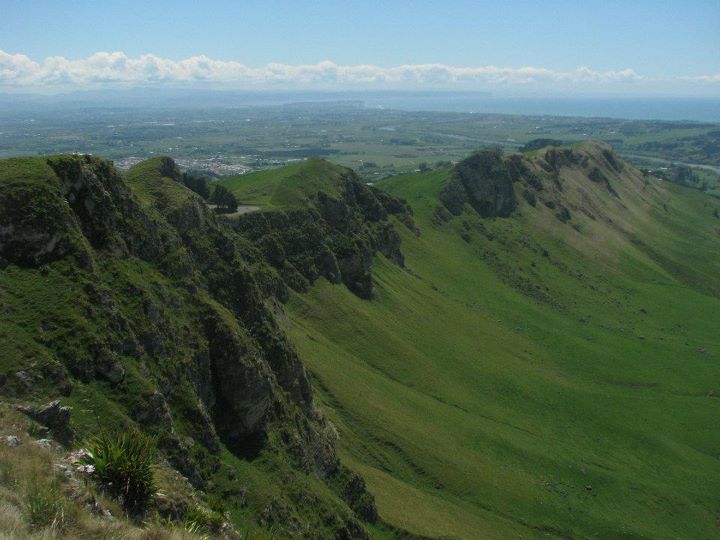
{"x": 39, "y": 501}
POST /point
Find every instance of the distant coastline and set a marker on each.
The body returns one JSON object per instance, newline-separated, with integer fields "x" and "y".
{"x": 695, "y": 109}
{"x": 671, "y": 109}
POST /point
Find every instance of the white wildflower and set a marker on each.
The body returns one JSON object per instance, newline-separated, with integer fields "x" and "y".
{"x": 87, "y": 469}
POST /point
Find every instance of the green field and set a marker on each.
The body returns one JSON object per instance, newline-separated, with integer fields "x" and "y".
{"x": 285, "y": 188}
{"x": 374, "y": 141}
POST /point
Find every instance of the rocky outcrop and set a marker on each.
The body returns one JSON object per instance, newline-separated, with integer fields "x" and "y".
{"x": 172, "y": 311}
{"x": 241, "y": 391}
{"x": 107, "y": 213}
{"x": 354, "y": 492}
{"x": 36, "y": 224}
{"x": 55, "y": 418}
{"x": 556, "y": 158}
{"x": 493, "y": 185}
{"x": 335, "y": 237}
{"x": 484, "y": 182}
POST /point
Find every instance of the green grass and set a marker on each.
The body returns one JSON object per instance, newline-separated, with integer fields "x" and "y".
{"x": 149, "y": 185}
{"x": 288, "y": 187}
{"x": 35, "y": 312}
{"x": 26, "y": 171}
{"x": 475, "y": 410}
{"x": 520, "y": 377}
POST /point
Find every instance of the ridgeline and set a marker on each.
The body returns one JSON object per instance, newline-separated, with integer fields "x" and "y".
{"x": 519, "y": 344}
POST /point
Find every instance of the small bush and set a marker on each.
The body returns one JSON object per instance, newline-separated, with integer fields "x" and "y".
{"x": 198, "y": 184}
{"x": 122, "y": 465}
{"x": 217, "y": 504}
{"x": 200, "y": 520}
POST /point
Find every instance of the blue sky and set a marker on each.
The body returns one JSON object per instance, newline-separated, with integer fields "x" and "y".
{"x": 631, "y": 46}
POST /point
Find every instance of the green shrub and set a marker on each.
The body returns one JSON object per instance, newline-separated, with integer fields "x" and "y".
{"x": 200, "y": 520}
{"x": 122, "y": 465}
{"x": 217, "y": 504}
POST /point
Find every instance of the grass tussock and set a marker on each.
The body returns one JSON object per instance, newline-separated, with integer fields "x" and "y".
{"x": 123, "y": 465}
{"x": 41, "y": 496}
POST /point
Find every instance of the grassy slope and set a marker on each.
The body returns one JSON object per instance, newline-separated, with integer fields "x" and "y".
{"x": 474, "y": 410}
{"x": 287, "y": 187}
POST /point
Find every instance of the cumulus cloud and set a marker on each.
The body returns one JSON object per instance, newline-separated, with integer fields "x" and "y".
{"x": 116, "y": 68}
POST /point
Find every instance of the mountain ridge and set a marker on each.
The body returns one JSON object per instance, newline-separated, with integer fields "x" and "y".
{"x": 430, "y": 333}
{"x": 523, "y": 364}
{"x": 173, "y": 322}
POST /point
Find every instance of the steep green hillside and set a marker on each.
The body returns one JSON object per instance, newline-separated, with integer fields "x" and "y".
{"x": 126, "y": 300}
{"x": 520, "y": 346}
{"x": 549, "y": 373}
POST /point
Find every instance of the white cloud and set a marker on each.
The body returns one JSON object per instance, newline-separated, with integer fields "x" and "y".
{"x": 703, "y": 78}
{"x": 116, "y": 68}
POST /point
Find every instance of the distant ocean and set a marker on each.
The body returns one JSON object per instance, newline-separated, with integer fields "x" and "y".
{"x": 695, "y": 109}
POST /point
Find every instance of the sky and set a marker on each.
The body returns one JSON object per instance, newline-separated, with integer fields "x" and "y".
{"x": 666, "y": 47}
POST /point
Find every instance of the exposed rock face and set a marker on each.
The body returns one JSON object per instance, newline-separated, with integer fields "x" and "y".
{"x": 36, "y": 225}
{"x": 241, "y": 392}
{"x": 11, "y": 441}
{"x": 355, "y": 494}
{"x": 335, "y": 237}
{"x": 87, "y": 206}
{"x": 42, "y": 379}
{"x": 109, "y": 217}
{"x": 153, "y": 411}
{"x": 173, "y": 309}
{"x": 562, "y": 157}
{"x": 488, "y": 182}
{"x": 612, "y": 160}
{"x": 54, "y": 417}
{"x": 483, "y": 181}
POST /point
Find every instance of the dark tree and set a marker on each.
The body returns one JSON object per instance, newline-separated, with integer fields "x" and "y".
{"x": 199, "y": 184}
{"x": 223, "y": 198}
